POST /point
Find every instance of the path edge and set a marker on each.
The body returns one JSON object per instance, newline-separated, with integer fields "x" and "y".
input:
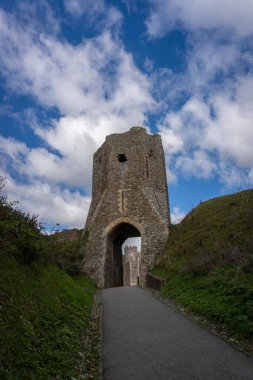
{"x": 241, "y": 346}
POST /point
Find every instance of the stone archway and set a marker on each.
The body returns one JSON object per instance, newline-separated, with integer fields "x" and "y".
{"x": 113, "y": 269}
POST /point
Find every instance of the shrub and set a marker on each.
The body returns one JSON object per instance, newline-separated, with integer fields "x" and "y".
{"x": 20, "y": 233}
{"x": 63, "y": 250}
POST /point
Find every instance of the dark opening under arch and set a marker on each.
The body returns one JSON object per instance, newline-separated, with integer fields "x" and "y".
{"x": 113, "y": 262}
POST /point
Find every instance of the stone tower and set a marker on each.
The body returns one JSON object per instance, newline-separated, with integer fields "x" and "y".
{"x": 131, "y": 266}
{"x": 129, "y": 199}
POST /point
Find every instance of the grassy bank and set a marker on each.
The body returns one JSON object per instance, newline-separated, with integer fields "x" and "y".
{"x": 44, "y": 315}
{"x": 208, "y": 264}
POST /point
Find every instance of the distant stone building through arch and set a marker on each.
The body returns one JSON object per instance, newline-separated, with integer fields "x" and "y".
{"x": 131, "y": 266}
{"x": 129, "y": 199}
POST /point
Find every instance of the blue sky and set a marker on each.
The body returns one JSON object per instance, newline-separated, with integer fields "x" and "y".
{"x": 74, "y": 71}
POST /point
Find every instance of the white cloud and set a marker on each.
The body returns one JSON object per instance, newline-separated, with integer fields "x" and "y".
{"x": 177, "y": 215}
{"x": 199, "y": 165}
{"x": 37, "y": 15}
{"x": 43, "y": 67}
{"x": 233, "y": 177}
{"x": 96, "y": 14}
{"x": 96, "y": 74}
{"x": 172, "y": 141}
{"x": 13, "y": 149}
{"x": 213, "y": 136}
{"x": 171, "y": 175}
{"x": 210, "y": 59}
{"x": 216, "y": 137}
{"x": 250, "y": 176}
{"x": 229, "y": 15}
{"x": 231, "y": 133}
{"x": 78, "y": 7}
{"x": 96, "y": 88}
{"x": 53, "y": 204}
{"x": 207, "y": 126}
{"x": 76, "y": 138}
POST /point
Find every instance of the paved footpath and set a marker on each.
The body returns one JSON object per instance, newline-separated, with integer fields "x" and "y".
{"x": 145, "y": 339}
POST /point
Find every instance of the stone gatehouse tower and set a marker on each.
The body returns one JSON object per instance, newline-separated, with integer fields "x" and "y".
{"x": 129, "y": 199}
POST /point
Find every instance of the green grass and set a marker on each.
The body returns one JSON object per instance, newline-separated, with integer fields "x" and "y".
{"x": 217, "y": 232}
{"x": 208, "y": 264}
{"x": 44, "y": 315}
{"x": 222, "y": 297}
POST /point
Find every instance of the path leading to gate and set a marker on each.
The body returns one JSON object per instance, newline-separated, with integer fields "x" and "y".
{"x": 145, "y": 339}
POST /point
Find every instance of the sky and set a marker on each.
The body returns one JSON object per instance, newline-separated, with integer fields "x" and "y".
{"x": 74, "y": 71}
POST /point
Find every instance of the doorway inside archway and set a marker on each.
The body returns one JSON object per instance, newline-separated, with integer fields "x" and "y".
{"x": 114, "y": 264}
{"x": 131, "y": 257}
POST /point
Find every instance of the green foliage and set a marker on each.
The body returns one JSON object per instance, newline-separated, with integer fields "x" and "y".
{"x": 224, "y": 296}
{"x": 208, "y": 263}
{"x": 215, "y": 233}
{"x": 64, "y": 251}
{"x": 20, "y": 233}
{"x": 44, "y": 315}
{"x": 21, "y": 237}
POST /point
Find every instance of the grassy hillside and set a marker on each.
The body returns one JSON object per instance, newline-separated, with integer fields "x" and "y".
{"x": 62, "y": 249}
{"x": 44, "y": 313}
{"x": 208, "y": 263}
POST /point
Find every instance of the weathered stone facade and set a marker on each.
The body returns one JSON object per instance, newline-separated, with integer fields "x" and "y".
{"x": 129, "y": 199}
{"x": 131, "y": 266}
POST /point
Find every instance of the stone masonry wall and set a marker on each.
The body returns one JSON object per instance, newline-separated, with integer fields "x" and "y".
{"x": 129, "y": 198}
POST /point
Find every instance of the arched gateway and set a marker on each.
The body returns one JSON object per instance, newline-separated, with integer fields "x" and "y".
{"x": 129, "y": 199}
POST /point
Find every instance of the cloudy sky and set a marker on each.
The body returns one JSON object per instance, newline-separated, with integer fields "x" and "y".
{"x": 74, "y": 71}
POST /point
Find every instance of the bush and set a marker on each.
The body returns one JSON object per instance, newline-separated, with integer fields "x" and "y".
{"x": 63, "y": 250}
{"x": 20, "y": 233}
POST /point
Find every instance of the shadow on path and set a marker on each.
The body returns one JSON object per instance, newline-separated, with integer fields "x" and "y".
{"x": 145, "y": 339}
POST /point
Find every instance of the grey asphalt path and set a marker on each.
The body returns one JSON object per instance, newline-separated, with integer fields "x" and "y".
{"x": 145, "y": 339}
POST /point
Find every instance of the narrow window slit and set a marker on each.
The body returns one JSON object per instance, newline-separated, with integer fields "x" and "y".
{"x": 147, "y": 167}
{"x": 123, "y": 201}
